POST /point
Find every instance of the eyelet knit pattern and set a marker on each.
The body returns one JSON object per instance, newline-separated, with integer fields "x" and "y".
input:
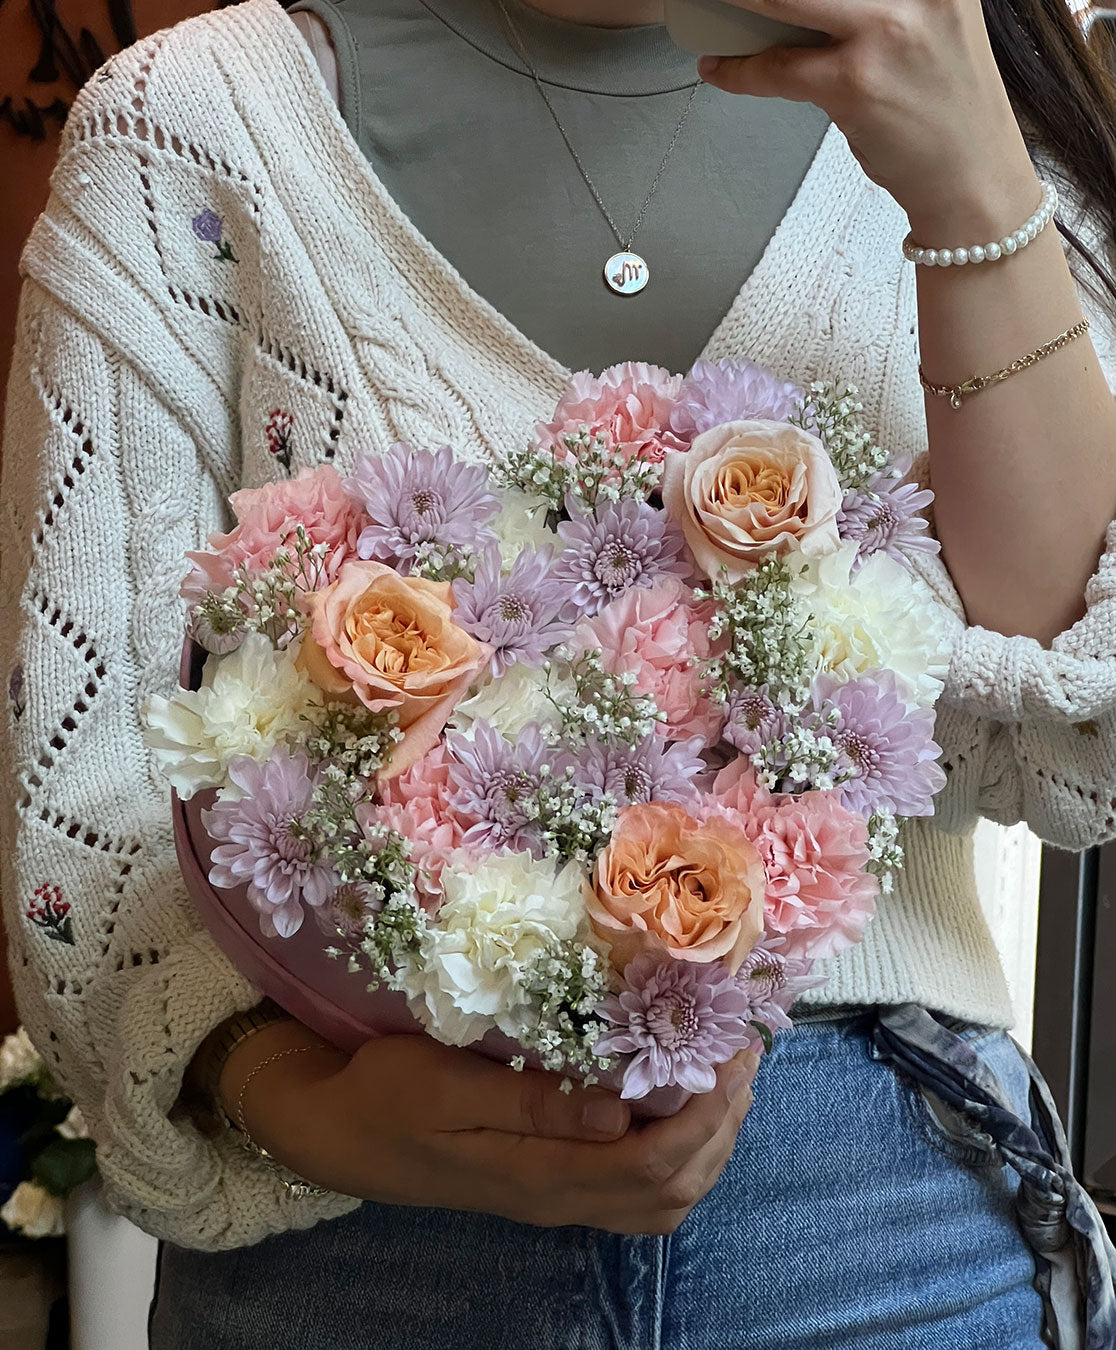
{"x": 219, "y": 282}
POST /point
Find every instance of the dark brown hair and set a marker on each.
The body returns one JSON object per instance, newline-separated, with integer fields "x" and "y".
{"x": 1063, "y": 91}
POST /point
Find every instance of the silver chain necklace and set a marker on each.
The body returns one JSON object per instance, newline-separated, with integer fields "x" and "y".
{"x": 625, "y": 272}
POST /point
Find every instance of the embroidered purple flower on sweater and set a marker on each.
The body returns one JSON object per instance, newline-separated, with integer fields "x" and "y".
{"x": 280, "y": 425}
{"x": 51, "y": 913}
{"x": 257, "y": 846}
{"x": 208, "y": 227}
{"x": 679, "y": 1019}
{"x": 622, "y": 544}
{"x": 517, "y": 614}
{"x": 15, "y": 692}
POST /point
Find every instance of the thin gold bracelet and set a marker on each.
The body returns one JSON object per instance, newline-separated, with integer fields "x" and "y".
{"x": 956, "y": 392}
{"x": 296, "y": 1185}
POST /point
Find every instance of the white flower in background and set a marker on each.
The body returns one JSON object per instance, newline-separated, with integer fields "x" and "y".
{"x": 19, "y": 1059}
{"x": 74, "y": 1126}
{"x": 521, "y": 525}
{"x": 519, "y": 696}
{"x": 249, "y": 701}
{"x": 880, "y": 617}
{"x": 33, "y": 1211}
{"x": 497, "y": 917}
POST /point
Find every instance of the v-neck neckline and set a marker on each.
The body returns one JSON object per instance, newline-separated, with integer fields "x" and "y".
{"x": 831, "y": 173}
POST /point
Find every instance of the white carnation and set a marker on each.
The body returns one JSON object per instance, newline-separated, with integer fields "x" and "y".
{"x": 881, "y": 617}
{"x": 33, "y": 1211}
{"x": 517, "y": 698}
{"x": 249, "y": 701}
{"x": 521, "y": 524}
{"x": 19, "y": 1060}
{"x": 497, "y": 916}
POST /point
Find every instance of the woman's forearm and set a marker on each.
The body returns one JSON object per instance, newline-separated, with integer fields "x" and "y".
{"x": 1025, "y": 471}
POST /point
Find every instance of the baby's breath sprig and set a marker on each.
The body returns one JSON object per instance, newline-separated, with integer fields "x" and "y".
{"x": 370, "y": 852}
{"x": 802, "y": 759}
{"x": 832, "y": 413}
{"x": 354, "y": 738}
{"x": 584, "y": 466}
{"x": 566, "y": 984}
{"x": 571, "y": 825}
{"x": 766, "y": 633}
{"x": 393, "y": 939}
{"x": 885, "y": 852}
{"x": 606, "y": 706}
{"x": 435, "y": 562}
{"x": 266, "y": 602}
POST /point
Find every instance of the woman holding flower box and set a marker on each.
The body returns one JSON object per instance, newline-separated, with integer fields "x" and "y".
{"x": 222, "y": 291}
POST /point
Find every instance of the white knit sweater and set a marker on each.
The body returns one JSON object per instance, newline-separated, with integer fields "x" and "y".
{"x": 145, "y": 372}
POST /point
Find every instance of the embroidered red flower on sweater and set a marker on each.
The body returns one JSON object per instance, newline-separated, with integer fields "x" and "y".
{"x": 280, "y": 425}
{"x": 51, "y": 913}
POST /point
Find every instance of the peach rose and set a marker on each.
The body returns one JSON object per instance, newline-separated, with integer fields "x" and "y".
{"x": 747, "y": 490}
{"x": 390, "y": 642}
{"x": 667, "y": 879}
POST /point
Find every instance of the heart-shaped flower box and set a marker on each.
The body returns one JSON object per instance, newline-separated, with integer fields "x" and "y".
{"x": 296, "y": 972}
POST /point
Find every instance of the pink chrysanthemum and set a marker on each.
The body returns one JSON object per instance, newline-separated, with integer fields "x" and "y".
{"x": 678, "y": 1019}
{"x": 257, "y": 847}
{"x": 730, "y": 391}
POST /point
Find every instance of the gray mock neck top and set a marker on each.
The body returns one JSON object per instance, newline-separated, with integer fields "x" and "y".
{"x": 453, "y": 124}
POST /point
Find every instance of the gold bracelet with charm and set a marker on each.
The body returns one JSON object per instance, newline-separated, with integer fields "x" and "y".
{"x": 956, "y": 392}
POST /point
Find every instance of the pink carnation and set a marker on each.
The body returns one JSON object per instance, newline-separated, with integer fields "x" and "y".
{"x": 267, "y": 517}
{"x": 814, "y": 851}
{"x": 416, "y": 803}
{"x": 658, "y": 634}
{"x": 630, "y": 403}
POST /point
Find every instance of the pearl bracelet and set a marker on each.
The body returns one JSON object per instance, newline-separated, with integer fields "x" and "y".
{"x": 998, "y": 248}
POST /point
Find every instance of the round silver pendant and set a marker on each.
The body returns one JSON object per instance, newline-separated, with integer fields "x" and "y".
{"x": 626, "y": 273}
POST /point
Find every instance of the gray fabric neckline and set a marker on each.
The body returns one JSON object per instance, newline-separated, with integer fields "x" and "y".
{"x": 623, "y": 62}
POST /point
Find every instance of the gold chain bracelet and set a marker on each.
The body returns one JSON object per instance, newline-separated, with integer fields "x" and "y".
{"x": 297, "y": 1186}
{"x": 956, "y": 392}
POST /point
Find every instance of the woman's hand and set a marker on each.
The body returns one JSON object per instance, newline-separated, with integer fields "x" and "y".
{"x": 409, "y": 1121}
{"x": 914, "y": 87}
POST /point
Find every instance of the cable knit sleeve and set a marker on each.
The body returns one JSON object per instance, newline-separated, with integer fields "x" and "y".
{"x": 1029, "y": 732}
{"x": 104, "y": 489}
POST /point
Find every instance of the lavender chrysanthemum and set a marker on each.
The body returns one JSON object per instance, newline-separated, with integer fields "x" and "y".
{"x": 349, "y": 908}
{"x": 653, "y": 770}
{"x": 679, "y": 1019}
{"x": 887, "y": 745}
{"x": 622, "y": 544}
{"x": 418, "y": 497}
{"x": 731, "y": 391}
{"x": 257, "y": 845}
{"x": 884, "y": 515}
{"x": 773, "y": 981}
{"x": 753, "y": 721}
{"x": 495, "y": 783}
{"x": 517, "y": 614}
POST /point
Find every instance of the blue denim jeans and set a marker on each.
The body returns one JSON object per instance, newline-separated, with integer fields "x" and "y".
{"x": 853, "y": 1215}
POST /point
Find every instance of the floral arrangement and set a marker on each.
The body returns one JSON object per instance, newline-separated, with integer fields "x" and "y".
{"x": 45, "y": 1151}
{"x": 601, "y": 745}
